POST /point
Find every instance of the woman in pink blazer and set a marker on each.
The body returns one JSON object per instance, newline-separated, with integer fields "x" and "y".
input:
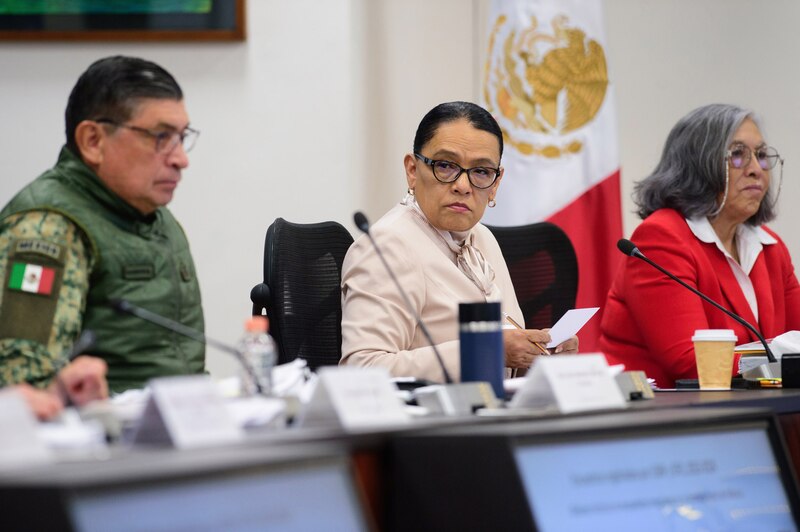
{"x": 440, "y": 253}
{"x": 704, "y": 208}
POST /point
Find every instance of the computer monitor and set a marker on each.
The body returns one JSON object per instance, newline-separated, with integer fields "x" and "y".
{"x": 232, "y": 489}
{"x": 673, "y": 469}
{"x": 718, "y": 479}
{"x": 318, "y": 495}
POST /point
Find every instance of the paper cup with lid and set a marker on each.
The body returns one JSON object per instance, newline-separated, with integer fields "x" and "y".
{"x": 713, "y": 351}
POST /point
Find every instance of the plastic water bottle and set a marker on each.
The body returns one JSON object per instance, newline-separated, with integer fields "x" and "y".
{"x": 258, "y": 349}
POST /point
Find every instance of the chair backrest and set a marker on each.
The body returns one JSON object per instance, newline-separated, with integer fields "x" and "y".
{"x": 543, "y": 268}
{"x": 303, "y": 273}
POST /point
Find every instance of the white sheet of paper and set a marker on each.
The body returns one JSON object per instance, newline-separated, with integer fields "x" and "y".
{"x": 258, "y": 411}
{"x": 569, "y": 324}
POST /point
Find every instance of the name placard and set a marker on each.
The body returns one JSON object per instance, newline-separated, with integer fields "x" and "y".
{"x": 569, "y": 383}
{"x": 20, "y": 445}
{"x": 186, "y": 412}
{"x": 354, "y": 398}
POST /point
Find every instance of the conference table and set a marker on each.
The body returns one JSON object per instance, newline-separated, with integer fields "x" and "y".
{"x": 358, "y": 469}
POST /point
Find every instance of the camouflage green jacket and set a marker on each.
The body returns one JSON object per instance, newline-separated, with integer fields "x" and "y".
{"x": 68, "y": 245}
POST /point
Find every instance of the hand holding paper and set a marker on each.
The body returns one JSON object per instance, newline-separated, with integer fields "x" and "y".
{"x": 569, "y": 324}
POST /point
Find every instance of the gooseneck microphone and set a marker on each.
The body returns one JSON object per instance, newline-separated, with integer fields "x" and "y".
{"x": 126, "y": 307}
{"x": 630, "y": 249}
{"x": 361, "y": 222}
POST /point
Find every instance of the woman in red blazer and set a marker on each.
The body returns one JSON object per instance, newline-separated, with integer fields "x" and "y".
{"x": 704, "y": 208}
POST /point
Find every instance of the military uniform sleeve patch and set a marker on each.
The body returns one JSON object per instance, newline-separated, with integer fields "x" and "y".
{"x": 31, "y": 287}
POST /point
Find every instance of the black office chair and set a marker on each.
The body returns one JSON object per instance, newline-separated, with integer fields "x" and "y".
{"x": 543, "y": 268}
{"x": 301, "y": 291}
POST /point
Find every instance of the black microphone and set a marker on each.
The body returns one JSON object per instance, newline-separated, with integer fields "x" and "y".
{"x": 85, "y": 341}
{"x": 361, "y": 222}
{"x": 629, "y": 248}
{"x": 126, "y": 307}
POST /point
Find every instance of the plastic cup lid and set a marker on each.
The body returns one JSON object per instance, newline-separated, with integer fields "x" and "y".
{"x": 714, "y": 335}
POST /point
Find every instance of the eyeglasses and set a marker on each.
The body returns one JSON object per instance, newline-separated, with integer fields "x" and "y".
{"x": 166, "y": 141}
{"x": 739, "y": 156}
{"x": 448, "y": 172}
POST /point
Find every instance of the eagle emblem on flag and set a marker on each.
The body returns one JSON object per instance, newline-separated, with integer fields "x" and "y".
{"x": 542, "y": 85}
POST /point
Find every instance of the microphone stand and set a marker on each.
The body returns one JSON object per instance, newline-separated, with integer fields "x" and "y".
{"x": 126, "y": 307}
{"x": 361, "y": 222}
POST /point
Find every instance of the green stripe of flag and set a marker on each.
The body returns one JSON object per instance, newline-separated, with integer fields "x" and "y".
{"x": 17, "y": 275}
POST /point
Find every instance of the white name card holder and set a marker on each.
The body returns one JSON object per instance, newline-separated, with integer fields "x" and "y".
{"x": 186, "y": 412}
{"x": 353, "y": 398}
{"x": 20, "y": 444}
{"x": 569, "y": 383}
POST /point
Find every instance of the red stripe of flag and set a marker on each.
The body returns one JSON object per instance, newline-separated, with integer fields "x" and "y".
{"x": 593, "y": 223}
{"x": 46, "y": 282}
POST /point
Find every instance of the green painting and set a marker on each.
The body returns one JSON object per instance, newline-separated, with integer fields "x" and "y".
{"x": 77, "y": 7}
{"x": 122, "y": 20}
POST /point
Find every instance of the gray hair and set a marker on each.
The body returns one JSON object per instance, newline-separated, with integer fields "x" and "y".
{"x": 691, "y": 173}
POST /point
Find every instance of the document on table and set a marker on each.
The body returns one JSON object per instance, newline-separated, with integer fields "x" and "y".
{"x": 569, "y": 324}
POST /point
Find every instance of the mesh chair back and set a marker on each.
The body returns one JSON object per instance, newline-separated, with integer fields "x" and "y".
{"x": 303, "y": 270}
{"x": 543, "y": 268}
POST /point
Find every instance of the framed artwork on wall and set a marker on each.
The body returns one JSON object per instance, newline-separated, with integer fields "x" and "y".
{"x": 122, "y": 20}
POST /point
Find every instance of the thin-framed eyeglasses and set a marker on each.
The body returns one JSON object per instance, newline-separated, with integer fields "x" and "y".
{"x": 739, "y": 155}
{"x": 448, "y": 171}
{"x": 166, "y": 141}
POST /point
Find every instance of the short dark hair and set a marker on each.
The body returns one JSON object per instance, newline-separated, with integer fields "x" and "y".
{"x": 111, "y": 88}
{"x": 691, "y": 173}
{"x": 477, "y": 116}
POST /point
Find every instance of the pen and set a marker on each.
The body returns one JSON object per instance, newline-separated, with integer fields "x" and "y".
{"x": 518, "y": 326}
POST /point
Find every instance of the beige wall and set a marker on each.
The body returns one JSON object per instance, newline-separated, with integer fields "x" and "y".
{"x": 310, "y": 117}
{"x": 670, "y": 57}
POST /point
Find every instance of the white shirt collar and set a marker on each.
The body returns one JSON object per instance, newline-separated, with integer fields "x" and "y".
{"x": 750, "y": 240}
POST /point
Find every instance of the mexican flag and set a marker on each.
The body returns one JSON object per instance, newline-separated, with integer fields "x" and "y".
{"x": 546, "y": 81}
{"x": 31, "y": 278}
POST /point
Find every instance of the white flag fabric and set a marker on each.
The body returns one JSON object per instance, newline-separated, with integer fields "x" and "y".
{"x": 546, "y": 82}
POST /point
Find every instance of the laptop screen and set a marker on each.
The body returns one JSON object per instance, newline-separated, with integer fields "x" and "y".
{"x": 715, "y": 480}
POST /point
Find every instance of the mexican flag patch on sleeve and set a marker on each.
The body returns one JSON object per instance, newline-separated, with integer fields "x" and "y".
{"x": 32, "y": 278}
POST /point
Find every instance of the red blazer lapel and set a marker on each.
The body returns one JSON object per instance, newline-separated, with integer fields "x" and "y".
{"x": 734, "y": 299}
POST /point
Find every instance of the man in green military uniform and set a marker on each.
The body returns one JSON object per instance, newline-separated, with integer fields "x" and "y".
{"x": 95, "y": 228}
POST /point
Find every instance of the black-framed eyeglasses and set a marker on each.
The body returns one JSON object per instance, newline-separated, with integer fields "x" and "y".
{"x": 166, "y": 141}
{"x": 739, "y": 156}
{"x": 448, "y": 171}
